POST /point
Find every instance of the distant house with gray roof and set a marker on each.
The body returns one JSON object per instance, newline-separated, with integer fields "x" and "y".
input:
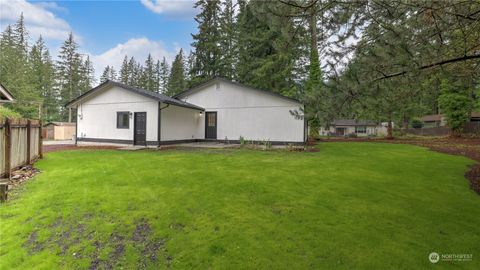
{"x": 361, "y": 128}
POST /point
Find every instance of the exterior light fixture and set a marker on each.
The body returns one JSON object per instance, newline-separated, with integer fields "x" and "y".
{"x": 130, "y": 114}
{"x": 201, "y": 113}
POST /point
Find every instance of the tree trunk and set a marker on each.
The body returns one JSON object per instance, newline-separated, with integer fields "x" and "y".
{"x": 389, "y": 127}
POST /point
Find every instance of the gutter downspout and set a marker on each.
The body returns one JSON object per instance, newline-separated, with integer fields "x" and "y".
{"x": 159, "y": 128}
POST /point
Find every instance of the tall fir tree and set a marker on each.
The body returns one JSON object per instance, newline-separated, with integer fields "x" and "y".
{"x": 88, "y": 78}
{"x": 164, "y": 75}
{"x": 70, "y": 74}
{"x": 15, "y": 69}
{"x": 108, "y": 73}
{"x": 207, "y": 42}
{"x": 267, "y": 48}
{"x": 148, "y": 77}
{"x": 228, "y": 40}
{"x": 176, "y": 81}
{"x": 124, "y": 71}
{"x": 42, "y": 78}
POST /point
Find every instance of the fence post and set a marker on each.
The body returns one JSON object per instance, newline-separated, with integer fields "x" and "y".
{"x": 29, "y": 136}
{"x": 8, "y": 147}
{"x": 40, "y": 153}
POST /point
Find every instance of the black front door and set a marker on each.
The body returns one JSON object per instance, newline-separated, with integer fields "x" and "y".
{"x": 211, "y": 125}
{"x": 140, "y": 129}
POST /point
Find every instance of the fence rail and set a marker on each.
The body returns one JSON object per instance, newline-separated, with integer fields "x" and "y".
{"x": 20, "y": 144}
{"x": 469, "y": 128}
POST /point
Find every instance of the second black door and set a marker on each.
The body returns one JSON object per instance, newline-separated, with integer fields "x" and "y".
{"x": 211, "y": 125}
{"x": 140, "y": 129}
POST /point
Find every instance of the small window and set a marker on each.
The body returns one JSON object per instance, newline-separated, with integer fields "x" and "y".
{"x": 211, "y": 120}
{"x": 361, "y": 129}
{"x": 123, "y": 120}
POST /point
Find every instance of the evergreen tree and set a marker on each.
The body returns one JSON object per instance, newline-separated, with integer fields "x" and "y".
{"x": 70, "y": 74}
{"x": 148, "y": 79}
{"x": 267, "y": 48}
{"x": 176, "y": 81}
{"x": 88, "y": 78}
{"x": 15, "y": 69}
{"x": 206, "y": 42}
{"x": 108, "y": 73}
{"x": 125, "y": 71}
{"x": 228, "y": 41}
{"x": 42, "y": 78}
{"x": 164, "y": 75}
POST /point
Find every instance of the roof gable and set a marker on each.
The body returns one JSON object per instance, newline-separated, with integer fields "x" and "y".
{"x": 219, "y": 79}
{"x": 5, "y": 95}
{"x": 139, "y": 91}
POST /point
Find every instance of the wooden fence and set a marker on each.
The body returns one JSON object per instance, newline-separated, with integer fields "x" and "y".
{"x": 469, "y": 128}
{"x": 20, "y": 144}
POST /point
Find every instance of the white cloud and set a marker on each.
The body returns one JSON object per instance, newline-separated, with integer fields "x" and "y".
{"x": 138, "y": 48}
{"x": 171, "y": 7}
{"x": 38, "y": 19}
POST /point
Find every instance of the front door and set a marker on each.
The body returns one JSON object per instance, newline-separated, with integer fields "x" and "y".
{"x": 140, "y": 129}
{"x": 211, "y": 125}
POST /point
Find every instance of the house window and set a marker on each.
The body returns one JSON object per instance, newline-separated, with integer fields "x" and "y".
{"x": 123, "y": 120}
{"x": 211, "y": 120}
{"x": 361, "y": 130}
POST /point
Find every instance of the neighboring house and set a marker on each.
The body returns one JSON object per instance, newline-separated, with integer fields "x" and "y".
{"x": 345, "y": 127}
{"x": 58, "y": 131}
{"x": 5, "y": 95}
{"x": 440, "y": 120}
{"x": 215, "y": 110}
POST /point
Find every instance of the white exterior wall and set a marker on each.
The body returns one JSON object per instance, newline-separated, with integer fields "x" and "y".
{"x": 99, "y": 114}
{"x": 179, "y": 123}
{"x": 249, "y": 113}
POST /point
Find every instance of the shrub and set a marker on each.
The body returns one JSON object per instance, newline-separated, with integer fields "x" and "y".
{"x": 242, "y": 140}
{"x": 417, "y": 123}
{"x": 8, "y": 113}
{"x": 352, "y": 135}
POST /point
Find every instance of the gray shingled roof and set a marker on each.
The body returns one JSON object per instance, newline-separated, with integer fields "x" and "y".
{"x": 353, "y": 122}
{"x": 143, "y": 92}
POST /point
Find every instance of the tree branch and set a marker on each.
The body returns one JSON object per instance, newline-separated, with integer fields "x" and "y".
{"x": 441, "y": 63}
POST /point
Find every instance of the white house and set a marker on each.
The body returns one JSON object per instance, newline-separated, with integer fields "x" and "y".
{"x": 215, "y": 110}
{"x": 361, "y": 128}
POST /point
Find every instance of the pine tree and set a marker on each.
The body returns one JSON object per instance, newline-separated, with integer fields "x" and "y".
{"x": 108, "y": 73}
{"x": 15, "y": 69}
{"x": 267, "y": 48}
{"x": 69, "y": 73}
{"x": 148, "y": 80}
{"x": 88, "y": 78}
{"x": 42, "y": 78}
{"x": 125, "y": 71}
{"x": 164, "y": 75}
{"x": 157, "y": 76}
{"x": 228, "y": 41}
{"x": 176, "y": 81}
{"x": 206, "y": 42}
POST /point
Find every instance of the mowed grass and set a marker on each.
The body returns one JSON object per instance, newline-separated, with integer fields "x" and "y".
{"x": 348, "y": 206}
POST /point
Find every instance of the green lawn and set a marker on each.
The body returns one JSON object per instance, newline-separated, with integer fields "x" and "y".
{"x": 349, "y": 206}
